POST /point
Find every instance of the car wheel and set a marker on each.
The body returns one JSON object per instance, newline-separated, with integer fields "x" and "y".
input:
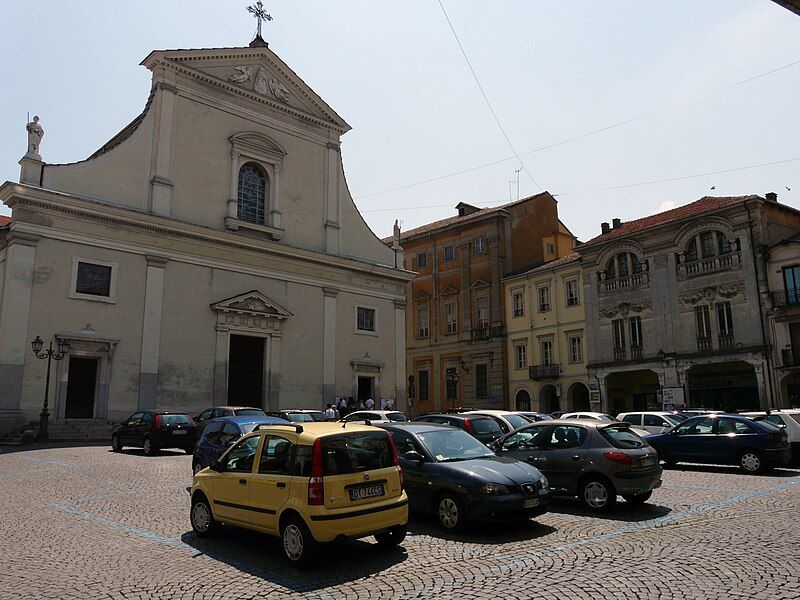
{"x": 299, "y": 546}
{"x": 638, "y": 498}
{"x": 196, "y": 467}
{"x": 148, "y": 447}
{"x": 751, "y": 461}
{"x": 116, "y": 446}
{"x": 203, "y": 522}
{"x": 598, "y": 494}
{"x": 393, "y": 537}
{"x": 451, "y": 513}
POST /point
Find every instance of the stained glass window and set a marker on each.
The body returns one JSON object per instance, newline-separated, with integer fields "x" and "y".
{"x": 252, "y": 194}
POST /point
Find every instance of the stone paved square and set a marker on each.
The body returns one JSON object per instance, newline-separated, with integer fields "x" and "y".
{"x": 83, "y": 522}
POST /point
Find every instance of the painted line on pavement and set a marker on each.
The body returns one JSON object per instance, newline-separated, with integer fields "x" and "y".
{"x": 517, "y": 563}
{"x": 149, "y": 535}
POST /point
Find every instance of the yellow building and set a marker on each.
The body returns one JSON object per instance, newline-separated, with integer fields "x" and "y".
{"x": 546, "y": 337}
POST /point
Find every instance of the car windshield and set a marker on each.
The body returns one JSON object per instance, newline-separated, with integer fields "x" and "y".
{"x": 622, "y": 437}
{"x": 453, "y": 444}
{"x": 396, "y": 416}
{"x": 607, "y": 418}
{"x": 485, "y": 425}
{"x": 249, "y": 412}
{"x": 300, "y": 417}
{"x": 175, "y": 420}
{"x": 517, "y": 421}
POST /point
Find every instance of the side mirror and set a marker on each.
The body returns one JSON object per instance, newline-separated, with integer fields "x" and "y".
{"x": 495, "y": 445}
{"x": 413, "y": 455}
{"x": 216, "y": 466}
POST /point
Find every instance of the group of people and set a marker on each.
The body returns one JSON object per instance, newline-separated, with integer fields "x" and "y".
{"x": 344, "y": 405}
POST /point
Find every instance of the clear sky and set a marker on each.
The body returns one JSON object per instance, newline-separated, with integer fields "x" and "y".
{"x": 552, "y": 69}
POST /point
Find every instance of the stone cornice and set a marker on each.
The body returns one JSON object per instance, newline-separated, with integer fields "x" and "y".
{"x": 14, "y": 194}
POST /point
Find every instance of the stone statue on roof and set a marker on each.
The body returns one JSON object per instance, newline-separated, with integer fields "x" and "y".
{"x": 35, "y": 135}
{"x": 396, "y": 243}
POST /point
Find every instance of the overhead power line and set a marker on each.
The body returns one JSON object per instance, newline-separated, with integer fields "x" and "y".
{"x": 584, "y": 135}
{"x": 486, "y": 98}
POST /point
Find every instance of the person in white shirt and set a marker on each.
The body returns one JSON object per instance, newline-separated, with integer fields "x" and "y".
{"x": 330, "y": 414}
{"x": 370, "y": 403}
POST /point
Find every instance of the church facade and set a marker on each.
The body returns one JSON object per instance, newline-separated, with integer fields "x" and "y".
{"x": 210, "y": 253}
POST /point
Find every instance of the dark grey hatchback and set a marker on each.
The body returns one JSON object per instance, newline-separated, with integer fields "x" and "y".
{"x": 449, "y": 473}
{"x": 593, "y": 460}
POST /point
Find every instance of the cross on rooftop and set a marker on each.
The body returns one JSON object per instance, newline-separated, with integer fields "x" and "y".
{"x": 257, "y": 10}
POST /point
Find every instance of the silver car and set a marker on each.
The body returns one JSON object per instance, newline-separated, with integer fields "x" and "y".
{"x": 593, "y": 460}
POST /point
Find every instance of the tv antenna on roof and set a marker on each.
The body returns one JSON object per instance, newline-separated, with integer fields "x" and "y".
{"x": 514, "y": 182}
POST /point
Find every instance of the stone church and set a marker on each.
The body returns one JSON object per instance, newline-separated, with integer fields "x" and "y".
{"x": 210, "y": 253}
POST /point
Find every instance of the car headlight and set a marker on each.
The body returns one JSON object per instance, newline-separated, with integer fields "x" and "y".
{"x": 544, "y": 482}
{"x": 493, "y": 489}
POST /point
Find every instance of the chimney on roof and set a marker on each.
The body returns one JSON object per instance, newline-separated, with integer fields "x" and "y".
{"x": 771, "y": 197}
{"x": 605, "y": 227}
{"x": 616, "y": 223}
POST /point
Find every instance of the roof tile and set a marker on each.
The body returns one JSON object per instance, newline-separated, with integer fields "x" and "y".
{"x": 4, "y": 220}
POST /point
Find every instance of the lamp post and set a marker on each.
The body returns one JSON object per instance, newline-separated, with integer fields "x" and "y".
{"x": 63, "y": 347}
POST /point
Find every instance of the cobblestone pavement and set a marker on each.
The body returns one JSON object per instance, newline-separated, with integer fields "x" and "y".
{"x": 82, "y": 522}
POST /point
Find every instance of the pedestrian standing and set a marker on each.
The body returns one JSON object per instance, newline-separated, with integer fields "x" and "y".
{"x": 370, "y": 403}
{"x": 330, "y": 414}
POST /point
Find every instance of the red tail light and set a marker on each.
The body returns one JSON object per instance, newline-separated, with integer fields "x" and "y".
{"x": 157, "y": 423}
{"x": 468, "y": 426}
{"x": 396, "y": 460}
{"x": 316, "y": 489}
{"x": 618, "y": 457}
{"x": 774, "y": 439}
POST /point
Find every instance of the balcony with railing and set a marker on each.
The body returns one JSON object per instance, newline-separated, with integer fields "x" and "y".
{"x": 726, "y": 341}
{"x": 621, "y": 284}
{"x": 484, "y": 333}
{"x": 711, "y": 264}
{"x": 704, "y": 343}
{"x": 636, "y": 352}
{"x": 785, "y": 298}
{"x": 620, "y": 354}
{"x": 539, "y": 372}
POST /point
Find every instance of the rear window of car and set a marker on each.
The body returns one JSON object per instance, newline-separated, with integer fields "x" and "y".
{"x": 175, "y": 420}
{"x": 622, "y": 437}
{"x": 356, "y": 452}
{"x": 771, "y": 427}
{"x": 795, "y": 417}
{"x": 517, "y": 421}
{"x": 396, "y": 416}
{"x": 485, "y": 425}
{"x": 249, "y": 412}
{"x": 300, "y": 417}
{"x": 317, "y": 415}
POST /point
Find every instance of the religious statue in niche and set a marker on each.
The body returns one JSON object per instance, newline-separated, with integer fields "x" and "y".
{"x": 245, "y": 74}
{"x": 35, "y": 135}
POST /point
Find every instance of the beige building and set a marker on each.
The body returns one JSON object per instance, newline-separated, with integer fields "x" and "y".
{"x": 209, "y": 253}
{"x": 546, "y": 337}
{"x": 783, "y": 316}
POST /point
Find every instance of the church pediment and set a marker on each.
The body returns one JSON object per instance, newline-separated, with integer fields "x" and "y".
{"x": 252, "y": 303}
{"x": 257, "y": 73}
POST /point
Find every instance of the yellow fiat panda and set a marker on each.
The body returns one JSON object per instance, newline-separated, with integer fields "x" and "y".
{"x": 309, "y": 483}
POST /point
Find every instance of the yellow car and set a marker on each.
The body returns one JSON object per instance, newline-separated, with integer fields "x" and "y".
{"x": 309, "y": 483}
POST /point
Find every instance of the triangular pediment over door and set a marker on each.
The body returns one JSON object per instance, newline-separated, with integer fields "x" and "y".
{"x": 251, "y": 309}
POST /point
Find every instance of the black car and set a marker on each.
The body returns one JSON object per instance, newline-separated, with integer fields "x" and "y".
{"x": 480, "y": 427}
{"x": 216, "y": 412}
{"x": 450, "y": 474}
{"x": 153, "y": 430}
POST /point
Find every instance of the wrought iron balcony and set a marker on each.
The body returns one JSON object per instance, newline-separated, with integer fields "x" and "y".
{"x": 480, "y": 334}
{"x": 785, "y": 298}
{"x": 539, "y": 372}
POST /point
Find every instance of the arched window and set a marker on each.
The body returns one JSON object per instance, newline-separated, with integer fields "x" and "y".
{"x": 706, "y": 245}
{"x": 252, "y": 196}
{"x": 623, "y": 264}
{"x": 523, "y": 400}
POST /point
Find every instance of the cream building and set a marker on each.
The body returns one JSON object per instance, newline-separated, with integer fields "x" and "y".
{"x": 546, "y": 337}
{"x": 209, "y": 253}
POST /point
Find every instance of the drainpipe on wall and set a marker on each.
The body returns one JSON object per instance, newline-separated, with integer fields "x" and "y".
{"x": 767, "y": 353}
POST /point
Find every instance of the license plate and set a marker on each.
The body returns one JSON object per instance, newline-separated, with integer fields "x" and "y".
{"x": 531, "y": 503}
{"x": 648, "y": 461}
{"x": 179, "y": 432}
{"x": 362, "y": 493}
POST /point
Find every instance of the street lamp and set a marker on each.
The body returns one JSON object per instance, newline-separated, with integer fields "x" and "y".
{"x": 62, "y": 348}
{"x": 452, "y": 377}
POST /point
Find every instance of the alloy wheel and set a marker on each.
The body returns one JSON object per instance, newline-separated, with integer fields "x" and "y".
{"x": 147, "y": 446}
{"x": 293, "y": 542}
{"x": 448, "y": 513}
{"x": 595, "y": 494}
{"x": 201, "y": 516}
{"x": 751, "y": 462}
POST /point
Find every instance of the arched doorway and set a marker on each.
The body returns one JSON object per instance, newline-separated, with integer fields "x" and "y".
{"x": 548, "y": 399}
{"x": 632, "y": 391}
{"x": 578, "y": 395}
{"x": 523, "y": 400}
{"x": 726, "y": 386}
